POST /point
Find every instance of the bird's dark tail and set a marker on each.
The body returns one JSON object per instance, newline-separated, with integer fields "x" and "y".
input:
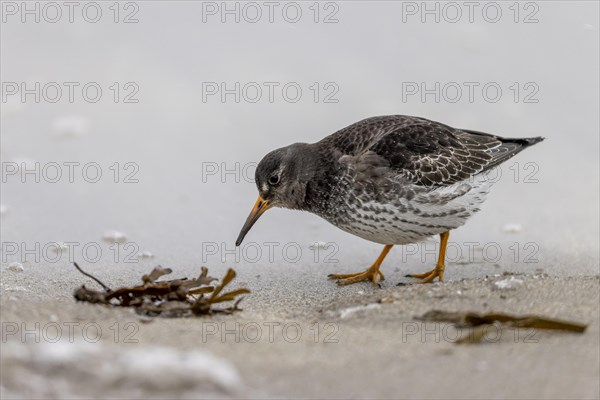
{"x": 512, "y": 146}
{"x": 525, "y": 142}
{"x": 508, "y": 148}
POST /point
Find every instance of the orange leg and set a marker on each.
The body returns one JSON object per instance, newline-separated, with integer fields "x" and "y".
{"x": 438, "y": 271}
{"x": 371, "y": 274}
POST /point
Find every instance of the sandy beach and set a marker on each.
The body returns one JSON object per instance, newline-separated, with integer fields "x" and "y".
{"x": 347, "y": 344}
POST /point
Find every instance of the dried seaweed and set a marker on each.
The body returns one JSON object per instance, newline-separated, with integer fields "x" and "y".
{"x": 480, "y": 322}
{"x": 174, "y": 298}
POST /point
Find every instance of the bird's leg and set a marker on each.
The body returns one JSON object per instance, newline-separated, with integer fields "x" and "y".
{"x": 438, "y": 271}
{"x": 371, "y": 274}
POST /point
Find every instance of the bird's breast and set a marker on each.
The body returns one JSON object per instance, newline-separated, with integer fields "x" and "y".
{"x": 404, "y": 216}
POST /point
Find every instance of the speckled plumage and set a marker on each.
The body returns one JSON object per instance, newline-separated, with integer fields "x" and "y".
{"x": 391, "y": 179}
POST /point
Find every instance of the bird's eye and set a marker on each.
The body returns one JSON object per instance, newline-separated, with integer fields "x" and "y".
{"x": 274, "y": 180}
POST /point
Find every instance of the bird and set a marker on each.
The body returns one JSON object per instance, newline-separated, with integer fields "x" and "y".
{"x": 391, "y": 180}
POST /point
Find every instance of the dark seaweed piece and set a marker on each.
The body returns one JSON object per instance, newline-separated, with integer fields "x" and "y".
{"x": 175, "y": 298}
{"x": 481, "y": 322}
{"x": 523, "y": 321}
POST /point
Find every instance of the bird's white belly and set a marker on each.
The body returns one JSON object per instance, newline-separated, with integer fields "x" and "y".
{"x": 428, "y": 213}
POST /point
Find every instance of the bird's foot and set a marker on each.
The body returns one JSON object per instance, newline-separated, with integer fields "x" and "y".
{"x": 429, "y": 276}
{"x": 370, "y": 274}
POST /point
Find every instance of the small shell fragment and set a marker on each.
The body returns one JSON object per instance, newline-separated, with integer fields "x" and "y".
{"x": 60, "y": 247}
{"x": 145, "y": 255}
{"x": 510, "y": 283}
{"x": 114, "y": 237}
{"x": 512, "y": 228}
{"x": 318, "y": 245}
{"x": 16, "y": 267}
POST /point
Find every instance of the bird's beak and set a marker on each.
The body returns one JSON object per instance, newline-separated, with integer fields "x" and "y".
{"x": 259, "y": 208}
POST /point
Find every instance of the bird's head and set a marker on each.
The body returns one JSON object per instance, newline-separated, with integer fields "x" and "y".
{"x": 281, "y": 178}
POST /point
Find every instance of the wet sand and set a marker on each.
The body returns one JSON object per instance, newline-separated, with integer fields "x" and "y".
{"x": 318, "y": 342}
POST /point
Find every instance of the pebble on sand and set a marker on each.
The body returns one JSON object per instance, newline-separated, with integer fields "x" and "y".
{"x": 318, "y": 245}
{"x": 60, "y": 247}
{"x": 510, "y": 283}
{"x": 114, "y": 237}
{"x": 512, "y": 228}
{"x": 145, "y": 254}
{"x": 347, "y": 312}
{"x": 16, "y": 267}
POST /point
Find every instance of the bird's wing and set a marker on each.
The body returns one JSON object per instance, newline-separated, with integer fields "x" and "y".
{"x": 418, "y": 150}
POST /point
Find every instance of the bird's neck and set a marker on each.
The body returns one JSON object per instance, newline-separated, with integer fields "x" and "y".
{"x": 321, "y": 187}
